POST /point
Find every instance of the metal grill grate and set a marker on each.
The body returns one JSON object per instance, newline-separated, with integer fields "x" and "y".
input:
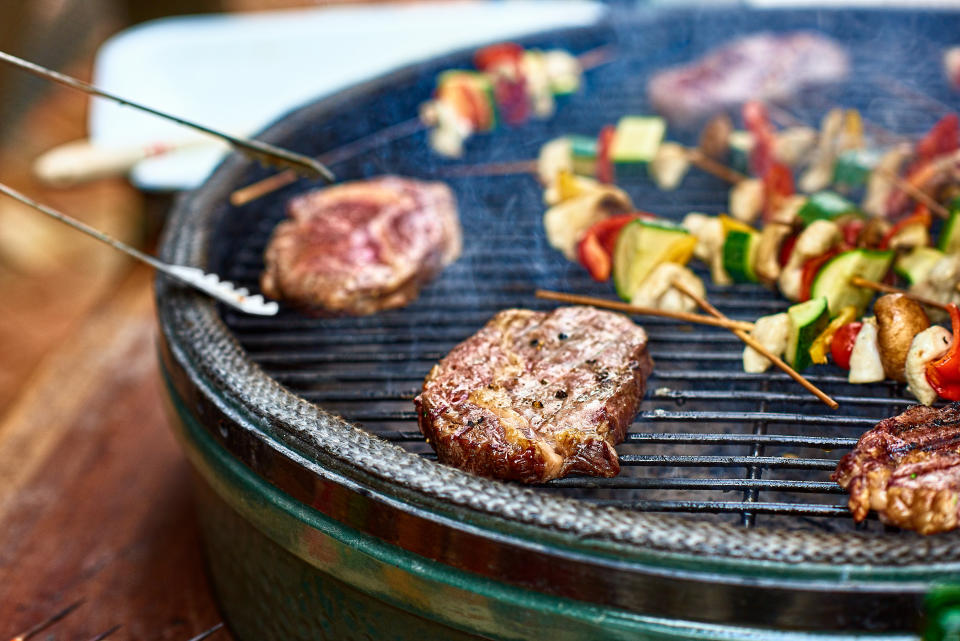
{"x": 710, "y": 439}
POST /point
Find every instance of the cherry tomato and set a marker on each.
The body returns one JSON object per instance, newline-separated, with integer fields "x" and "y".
{"x": 842, "y": 343}
{"x": 604, "y": 147}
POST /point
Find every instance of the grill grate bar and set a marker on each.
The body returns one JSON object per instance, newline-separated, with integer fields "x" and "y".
{"x": 688, "y": 438}
{"x": 792, "y": 509}
{"x": 643, "y": 483}
{"x": 793, "y": 462}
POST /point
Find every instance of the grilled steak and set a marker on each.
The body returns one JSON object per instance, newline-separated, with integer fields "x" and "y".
{"x": 364, "y": 246}
{"x": 535, "y": 396}
{"x": 907, "y": 468}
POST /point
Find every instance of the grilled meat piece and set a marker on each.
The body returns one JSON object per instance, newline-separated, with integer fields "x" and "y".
{"x": 761, "y": 66}
{"x": 907, "y": 468}
{"x": 535, "y": 396}
{"x": 360, "y": 247}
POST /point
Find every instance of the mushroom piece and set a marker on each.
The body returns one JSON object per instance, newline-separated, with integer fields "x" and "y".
{"x": 899, "y": 320}
{"x": 657, "y": 289}
{"x": 710, "y": 236}
{"x": 865, "y": 363}
{"x": 715, "y": 137}
{"x": 568, "y": 221}
{"x": 819, "y": 174}
{"x": 772, "y": 332}
{"x": 818, "y": 238}
{"x": 746, "y": 200}
{"x": 928, "y": 345}
{"x": 555, "y": 156}
{"x": 767, "y": 264}
{"x": 669, "y": 165}
{"x": 791, "y": 146}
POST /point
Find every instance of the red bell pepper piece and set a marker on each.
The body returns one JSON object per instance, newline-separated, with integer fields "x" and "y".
{"x": 601, "y": 238}
{"x": 920, "y": 216}
{"x": 851, "y": 231}
{"x": 604, "y": 161}
{"x": 842, "y": 344}
{"x": 504, "y": 54}
{"x": 503, "y": 62}
{"x": 786, "y": 249}
{"x": 594, "y": 257}
{"x": 942, "y": 138}
{"x": 777, "y": 186}
{"x": 757, "y": 122}
{"x": 943, "y": 374}
{"x": 810, "y": 270}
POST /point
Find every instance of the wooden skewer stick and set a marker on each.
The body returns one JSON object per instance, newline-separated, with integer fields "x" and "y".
{"x": 638, "y": 310}
{"x": 857, "y": 281}
{"x": 917, "y": 194}
{"x": 46, "y": 623}
{"x": 752, "y": 342}
{"x": 711, "y": 166}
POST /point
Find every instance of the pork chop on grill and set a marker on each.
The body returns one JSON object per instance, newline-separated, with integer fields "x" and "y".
{"x": 361, "y": 247}
{"x": 535, "y": 396}
{"x": 907, "y": 468}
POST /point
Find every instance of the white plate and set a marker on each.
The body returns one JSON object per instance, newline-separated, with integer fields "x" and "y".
{"x": 239, "y": 72}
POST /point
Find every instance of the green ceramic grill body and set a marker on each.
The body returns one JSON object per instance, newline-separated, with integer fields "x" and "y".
{"x": 316, "y": 529}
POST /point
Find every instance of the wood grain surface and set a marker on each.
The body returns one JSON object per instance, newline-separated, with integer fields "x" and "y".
{"x": 95, "y": 499}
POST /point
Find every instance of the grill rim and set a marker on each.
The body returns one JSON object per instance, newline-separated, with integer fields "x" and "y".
{"x": 201, "y": 346}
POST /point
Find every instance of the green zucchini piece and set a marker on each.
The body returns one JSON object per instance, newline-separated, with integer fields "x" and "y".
{"x": 584, "y": 152}
{"x": 833, "y": 279}
{"x": 740, "y": 144}
{"x": 636, "y": 142}
{"x": 827, "y": 205}
{"x": 807, "y": 321}
{"x": 914, "y": 266}
{"x": 949, "y": 240}
{"x": 641, "y": 246}
{"x": 853, "y": 167}
{"x": 740, "y": 255}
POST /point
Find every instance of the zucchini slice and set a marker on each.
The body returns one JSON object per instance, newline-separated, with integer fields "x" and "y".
{"x": 826, "y": 205}
{"x": 636, "y": 142}
{"x": 914, "y": 266}
{"x": 833, "y": 280}
{"x": 740, "y": 255}
{"x": 807, "y": 321}
{"x": 641, "y": 246}
{"x": 949, "y": 241}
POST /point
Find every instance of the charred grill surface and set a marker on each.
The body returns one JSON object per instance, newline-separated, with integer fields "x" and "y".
{"x": 710, "y": 440}
{"x": 907, "y": 469}
{"x": 361, "y": 247}
{"x": 536, "y": 396}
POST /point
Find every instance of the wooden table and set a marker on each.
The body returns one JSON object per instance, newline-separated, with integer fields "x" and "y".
{"x": 94, "y": 492}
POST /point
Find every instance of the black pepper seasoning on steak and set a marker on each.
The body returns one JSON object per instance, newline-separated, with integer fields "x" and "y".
{"x": 361, "y": 247}
{"x": 907, "y": 469}
{"x": 521, "y": 398}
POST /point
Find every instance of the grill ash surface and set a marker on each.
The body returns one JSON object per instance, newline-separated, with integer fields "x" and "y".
{"x": 709, "y": 440}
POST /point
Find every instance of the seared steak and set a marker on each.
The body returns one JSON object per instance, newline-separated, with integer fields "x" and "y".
{"x": 363, "y": 246}
{"x": 907, "y": 468}
{"x": 535, "y": 396}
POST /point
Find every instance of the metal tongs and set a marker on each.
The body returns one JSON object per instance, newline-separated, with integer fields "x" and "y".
{"x": 225, "y": 291}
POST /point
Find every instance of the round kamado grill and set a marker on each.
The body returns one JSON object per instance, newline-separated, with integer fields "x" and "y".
{"x": 324, "y": 513}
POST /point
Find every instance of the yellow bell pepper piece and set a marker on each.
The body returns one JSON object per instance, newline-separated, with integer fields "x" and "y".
{"x": 821, "y": 344}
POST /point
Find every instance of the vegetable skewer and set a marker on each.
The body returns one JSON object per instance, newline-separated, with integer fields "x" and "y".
{"x": 749, "y": 340}
{"x": 575, "y": 299}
